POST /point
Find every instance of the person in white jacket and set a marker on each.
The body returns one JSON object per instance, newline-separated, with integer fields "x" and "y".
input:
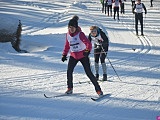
{"x": 116, "y": 8}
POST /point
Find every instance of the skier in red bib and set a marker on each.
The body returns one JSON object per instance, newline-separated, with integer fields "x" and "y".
{"x": 79, "y": 47}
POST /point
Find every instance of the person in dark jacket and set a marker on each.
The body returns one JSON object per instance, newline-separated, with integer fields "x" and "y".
{"x": 79, "y": 46}
{"x": 101, "y": 43}
{"x": 138, "y": 11}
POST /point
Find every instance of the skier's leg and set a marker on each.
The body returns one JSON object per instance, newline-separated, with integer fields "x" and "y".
{"x": 71, "y": 65}
{"x": 118, "y": 13}
{"x": 108, "y": 9}
{"x": 97, "y": 70}
{"x": 121, "y": 7}
{"x": 96, "y": 61}
{"x": 141, "y": 22}
{"x": 136, "y": 23}
{"x": 114, "y": 12}
{"x": 104, "y": 67}
{"x": 86, "y": 66}
{"x": 111, "y": 9}
{"x": 105, "y": 8}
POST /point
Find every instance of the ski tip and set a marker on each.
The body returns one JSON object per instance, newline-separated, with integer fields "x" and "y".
{"x": 93, "y": 99}
{"x": 99, "y": 97}
{"x": 46, "y": 96}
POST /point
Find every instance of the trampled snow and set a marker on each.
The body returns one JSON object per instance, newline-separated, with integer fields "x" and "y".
{"x": 25, "y": 77}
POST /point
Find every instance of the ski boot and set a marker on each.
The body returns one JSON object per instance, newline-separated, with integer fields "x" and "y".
{"x": 69, "y": 91}
{"x": 100, "y": 93}
{"x": 104, "y": 77}
{"x": 97, "y": 77}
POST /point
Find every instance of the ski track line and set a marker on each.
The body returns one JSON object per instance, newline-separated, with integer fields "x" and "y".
{"x": 145, "y": 42}
{"x": 37, "y": 82}
{"x": 50, "y": 17}
{"x": 33, "y": 77}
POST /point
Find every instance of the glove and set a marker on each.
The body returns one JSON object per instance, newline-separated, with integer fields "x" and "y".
{"x": 86, "y": 53}
{"x": 145, "y": 12}
{"x": 98, "y": 47}
{"x": 64, "y": 58}
{"x": 100, "y": 41}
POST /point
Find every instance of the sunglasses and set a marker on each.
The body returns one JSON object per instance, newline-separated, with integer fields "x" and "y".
{"x": 93, "y": 31}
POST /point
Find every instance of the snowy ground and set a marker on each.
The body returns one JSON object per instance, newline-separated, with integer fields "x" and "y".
{"x": 25, "y": 77}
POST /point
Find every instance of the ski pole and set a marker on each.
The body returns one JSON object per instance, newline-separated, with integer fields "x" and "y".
{"x": 114, "y": 69}
{"x": 98, "y": 53}
{"x": 110, "y": 63}
{"x": 109, "y": 60}
{"x": 133, "y": 19}
{"x": 144, "y": 20}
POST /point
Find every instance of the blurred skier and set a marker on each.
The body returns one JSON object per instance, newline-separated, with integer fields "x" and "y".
{"x": 122, "y": 6}
{"x": 105, "y": 5}
{"x": 79, "y": 47}
{"x": 109, "y": 6}
{"x": 101, "y": 43}
{"x": 116, "y": 8}
{"x": 138, "y": 11}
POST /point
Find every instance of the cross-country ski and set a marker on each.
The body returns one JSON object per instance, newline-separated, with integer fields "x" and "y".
{"x": 100, "y": 97}
{"x": 61, "y": 95}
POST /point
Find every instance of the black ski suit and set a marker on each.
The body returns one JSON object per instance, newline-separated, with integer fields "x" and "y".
{"x": 137, "y": 10}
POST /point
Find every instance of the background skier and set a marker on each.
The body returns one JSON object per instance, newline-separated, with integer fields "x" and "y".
{"x": 109, "y": 7}
{"x": 101, "y": 43}
{"x": 116, "y": 8}
{"x": 138, "y": 11}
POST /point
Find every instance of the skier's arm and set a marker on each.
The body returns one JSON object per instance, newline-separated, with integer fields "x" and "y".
{"x": 144, "y": 8}
{"x": 105, "y": 42}
{"x": 89, "y": 37}
{"x": 104, "y": 37}
{"x": 134, "y": 8}
{"x": 66, "y": 47}
{"x": 85, "y": 41}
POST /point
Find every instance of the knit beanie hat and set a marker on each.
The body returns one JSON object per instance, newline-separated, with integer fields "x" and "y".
{"x": 73, "y": 23}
